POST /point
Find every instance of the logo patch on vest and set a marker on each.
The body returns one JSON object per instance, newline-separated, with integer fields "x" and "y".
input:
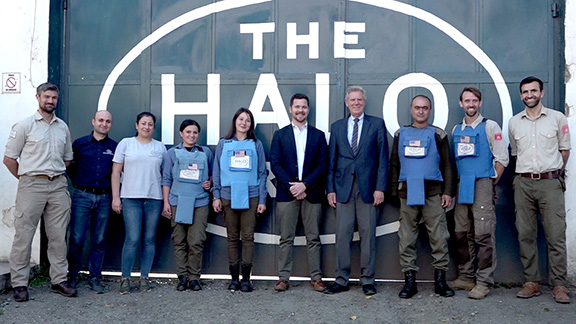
{"x": 240, "y": 160}
{"x": 498, "y": 136}
{"x": 466, "y": 149}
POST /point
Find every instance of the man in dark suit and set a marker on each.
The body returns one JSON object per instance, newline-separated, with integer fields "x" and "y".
{"x": 357, "y": 176}
{"x": 299, "y": 160}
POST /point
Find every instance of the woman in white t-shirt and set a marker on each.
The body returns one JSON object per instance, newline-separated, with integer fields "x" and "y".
{"x": 140, "y": 198}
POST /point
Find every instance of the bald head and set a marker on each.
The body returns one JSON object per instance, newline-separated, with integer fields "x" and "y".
{"x": 102, "y": 123}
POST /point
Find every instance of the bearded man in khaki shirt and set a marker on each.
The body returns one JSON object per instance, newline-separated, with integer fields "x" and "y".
{"x": 38, "y": 150}
{"x": 540, "y": 141}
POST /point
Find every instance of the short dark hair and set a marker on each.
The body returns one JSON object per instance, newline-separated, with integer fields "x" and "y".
{"x": 299, "y": 96}
{"x": 251, "y": 134}
{"x": 531, "y": 79}
{"x": 473, "y": 90}
{"x": 421, "y": 96}
{"x": 145, "y": 114}
{"x": 45, "y": 87}
{"x": 189, "y": 122}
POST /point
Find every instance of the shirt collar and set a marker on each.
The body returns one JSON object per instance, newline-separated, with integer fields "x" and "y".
{"x": 38, "y": 116}
{"x": 474, "y": 124}
{"x": 361, "y": 118}
{"x": 543, "y": 111}
{"x": 294, "y": 126}
{"x": 93, "y": 139}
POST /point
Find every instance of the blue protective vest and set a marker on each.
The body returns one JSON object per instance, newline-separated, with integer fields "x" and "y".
{"x": 239, "y": 170}
{"x": 189, "y": 171}
{"x": 419, "y": 161}
{"x": 474, "y": 159}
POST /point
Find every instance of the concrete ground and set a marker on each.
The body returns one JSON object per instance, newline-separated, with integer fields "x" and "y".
{"x": 300, "y": 304}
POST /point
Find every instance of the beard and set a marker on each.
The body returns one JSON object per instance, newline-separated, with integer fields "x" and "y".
{"x": 536, "y": 102}
{"x": 48, "y": 108}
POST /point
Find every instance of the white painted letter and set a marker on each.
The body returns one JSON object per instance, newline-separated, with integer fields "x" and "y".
{"x": 210, "y": 108}
{"x": 267, "y": 87}
{"x": 257, "y": 31}
{"x": 312, "y": 39}
{"x": 341, "y": 38}
{"x": 323, "y": 102}
{"x": 412, "y": 80}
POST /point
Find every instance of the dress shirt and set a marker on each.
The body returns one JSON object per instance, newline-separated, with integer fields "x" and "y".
{"x": 300, "y": 136}
{"x": 350, "y": 129}
{"x": 41, "y": 147}
{"x": 537, "y": 142}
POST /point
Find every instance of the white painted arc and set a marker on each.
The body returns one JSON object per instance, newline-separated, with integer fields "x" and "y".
{"x": 461, "y": 40}
{"x": 404, "y": 8}
{"x": 161, "y": 32}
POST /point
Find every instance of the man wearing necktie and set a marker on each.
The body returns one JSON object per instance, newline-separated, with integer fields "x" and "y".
{"x": 357, "y": 176}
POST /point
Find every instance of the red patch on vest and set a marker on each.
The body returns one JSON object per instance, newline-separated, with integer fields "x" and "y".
{"x": 565, "y": 129}
{"x": 498, "y": 137}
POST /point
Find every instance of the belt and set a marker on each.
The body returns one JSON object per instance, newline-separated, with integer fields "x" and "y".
{"x": 92, "y": 190}
{"x": 50, "y": 178}
{"x": 538, "y": 176}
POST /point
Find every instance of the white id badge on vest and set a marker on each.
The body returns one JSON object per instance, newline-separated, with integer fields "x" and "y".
{"x": 415, "y": 148}
{"x": 240, "y": 161}
{"x": 466, "y": 146}
{"x": 192, "y": 173}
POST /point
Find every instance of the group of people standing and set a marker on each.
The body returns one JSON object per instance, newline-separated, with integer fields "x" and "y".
{"x": 141, "y": 180}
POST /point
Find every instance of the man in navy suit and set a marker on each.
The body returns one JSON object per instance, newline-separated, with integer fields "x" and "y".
{"x": 357, "y": 176}
{"x": 299, "y": 160}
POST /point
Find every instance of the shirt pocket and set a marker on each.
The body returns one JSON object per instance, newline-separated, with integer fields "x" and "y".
{"x": 548, "y": 139}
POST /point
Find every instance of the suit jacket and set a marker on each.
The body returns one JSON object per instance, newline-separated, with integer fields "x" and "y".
{"x": 370, "y": 164}
{"x": 284, "y": 163}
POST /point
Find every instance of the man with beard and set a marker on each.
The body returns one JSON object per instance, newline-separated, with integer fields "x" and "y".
{"x": 481, "y": 155}
{"x": 38, "y": 150}
{"x": 540, "y": 141}
{"x": 299, "y": 160}
{"x": 90, "y": 173}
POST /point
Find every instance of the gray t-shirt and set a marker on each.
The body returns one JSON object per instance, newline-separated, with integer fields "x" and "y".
{"x": 142, "y": 168}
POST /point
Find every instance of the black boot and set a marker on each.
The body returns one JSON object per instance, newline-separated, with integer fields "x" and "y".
{"x": 440, "y": 285}
{"x": 235, "y": 272}
{"x": 246, "y": 285}
{"x": 182, "y": 283}
{"x": 409, "y": 288}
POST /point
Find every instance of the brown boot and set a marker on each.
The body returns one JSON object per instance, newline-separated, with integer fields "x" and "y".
{"x": 560, "y": 294}
{"x": 530, "y": 289}
{"x": 462, "y": 283}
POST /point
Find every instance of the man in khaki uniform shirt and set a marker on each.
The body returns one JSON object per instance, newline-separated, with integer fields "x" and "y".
{"x": 38, "y": 150}
{"x": 540, "y": 141}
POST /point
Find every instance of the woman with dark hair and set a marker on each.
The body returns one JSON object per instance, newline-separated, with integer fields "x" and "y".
{"x": 140, "y": 199}
{"x": 240, "y": 192}
{"x": 187, "y": 173}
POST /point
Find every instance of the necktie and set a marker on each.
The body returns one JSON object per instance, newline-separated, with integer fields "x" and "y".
{"x": 354, "y": 143}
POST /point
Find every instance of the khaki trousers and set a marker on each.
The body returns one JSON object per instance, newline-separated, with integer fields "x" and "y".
{"x": 188, "y": 241}
{"x": 240, "y": 222}
{"x": 475, "y": 231}
{"x": 288, "y": 213}
{"x": 546, "y": 197}
{"x": 434, "y": 218}
{"x": 40, "y": 197}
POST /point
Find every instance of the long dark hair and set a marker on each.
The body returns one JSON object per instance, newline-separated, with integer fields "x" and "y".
{"x": 232, "y": 131}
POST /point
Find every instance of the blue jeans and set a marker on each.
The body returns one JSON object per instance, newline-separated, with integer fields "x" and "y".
{"x": 88, "y": 210}
{"x": 140, "y": 217}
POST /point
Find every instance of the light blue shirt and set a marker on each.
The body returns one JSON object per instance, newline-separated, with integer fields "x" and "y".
{"x": 300, "y": 136}
{"x": 351, "y": 128}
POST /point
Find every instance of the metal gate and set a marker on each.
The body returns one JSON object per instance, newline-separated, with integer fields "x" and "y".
{"x": 204, "y": 59}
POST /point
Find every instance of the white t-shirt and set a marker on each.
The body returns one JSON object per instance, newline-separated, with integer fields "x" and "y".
{"x": 142, "y": 168}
